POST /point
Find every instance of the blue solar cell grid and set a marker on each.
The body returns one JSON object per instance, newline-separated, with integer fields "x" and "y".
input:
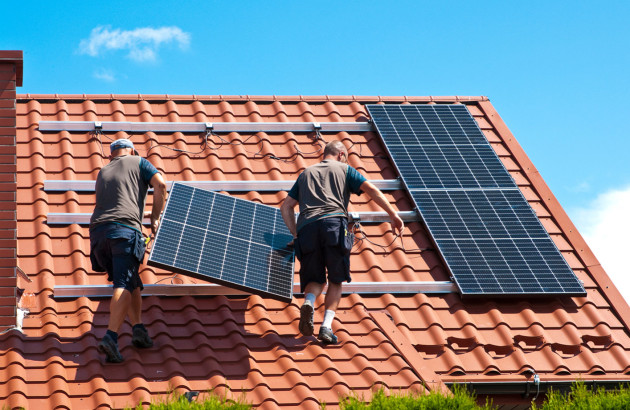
{"x": 478, "y": 214}
{"x": 488, "y": 235}
{"x": 439, "y": 146}
{"x": 230, "y": 241}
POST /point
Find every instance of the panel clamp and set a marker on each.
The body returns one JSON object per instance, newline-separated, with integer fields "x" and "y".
{"x": 98, "y": 126}
{"x": 209, "y": 126}
{"x": 356, "y": 217}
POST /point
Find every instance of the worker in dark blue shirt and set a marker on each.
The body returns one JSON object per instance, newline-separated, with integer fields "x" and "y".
{"x": 117, "y": 243}
{"x": 321, "y": 238}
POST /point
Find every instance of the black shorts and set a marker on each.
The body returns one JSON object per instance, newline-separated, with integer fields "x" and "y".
{"x": 117, "y": 250}
{"x": 324, "y": 245}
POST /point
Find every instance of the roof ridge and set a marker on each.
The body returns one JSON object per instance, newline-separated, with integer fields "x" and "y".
{"x": 269, "y": 98}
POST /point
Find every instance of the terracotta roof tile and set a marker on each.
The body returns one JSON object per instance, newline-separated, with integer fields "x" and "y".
{"x": 252, "y": 344}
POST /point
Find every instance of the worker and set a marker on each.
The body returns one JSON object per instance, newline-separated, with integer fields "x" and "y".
{"x": 322, "y": 240}
{"x": 117, "y": 242}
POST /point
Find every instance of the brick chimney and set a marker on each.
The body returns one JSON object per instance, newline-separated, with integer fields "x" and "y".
{"x": 10, "y": 78}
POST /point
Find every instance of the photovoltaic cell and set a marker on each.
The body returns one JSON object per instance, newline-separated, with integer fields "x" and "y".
{"x": 488, "y": 235}
{"x": 222, "y": 239}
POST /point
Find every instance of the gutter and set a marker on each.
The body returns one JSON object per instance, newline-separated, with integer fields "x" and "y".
{"x": 535, "y": 387}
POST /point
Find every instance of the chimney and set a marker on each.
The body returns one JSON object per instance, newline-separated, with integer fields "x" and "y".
{"x": 10, "y": 78}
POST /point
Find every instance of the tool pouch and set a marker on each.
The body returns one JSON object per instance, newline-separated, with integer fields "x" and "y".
{"x": 346, "y": 238}
{"x": 139, "y": 247}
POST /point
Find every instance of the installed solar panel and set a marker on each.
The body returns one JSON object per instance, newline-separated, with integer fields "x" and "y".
{"x": 489, "y": 236}
{"x": 230, "y": 241}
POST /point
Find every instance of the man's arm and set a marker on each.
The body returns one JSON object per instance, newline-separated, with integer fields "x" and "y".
{"x": 159, "y": 198}
{"x": 288, "y": 214}
{"x": 377, "y": 196}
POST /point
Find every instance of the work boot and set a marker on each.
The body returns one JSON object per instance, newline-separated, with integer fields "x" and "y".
{"x": 306, "y": 320}
{"x": 327, "y": 336}
{"x": 108, "y": 346}
{"x": 141, "y": 338}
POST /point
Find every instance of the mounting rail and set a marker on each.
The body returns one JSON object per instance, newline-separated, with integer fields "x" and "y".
{"x": 378, "y": 288}
{"x": 64, "y": 218}
{"x": 196, "y": 127}
{"x": 228, "y": 186}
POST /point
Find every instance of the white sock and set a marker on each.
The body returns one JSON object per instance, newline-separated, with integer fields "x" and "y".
{"x": 309, "y": 299}
{"x": 328, "y": 318}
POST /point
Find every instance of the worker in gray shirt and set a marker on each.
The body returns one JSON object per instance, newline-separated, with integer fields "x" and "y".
{"x": 321, "y": 238}
{"x": 117, "y": 243}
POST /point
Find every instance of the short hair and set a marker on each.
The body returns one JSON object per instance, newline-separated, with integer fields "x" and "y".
{"x": 333, "y": 148}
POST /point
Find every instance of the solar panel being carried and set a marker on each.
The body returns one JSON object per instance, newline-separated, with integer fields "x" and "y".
{"x": 488, "y": 235}
{"x": 222, "y": 239}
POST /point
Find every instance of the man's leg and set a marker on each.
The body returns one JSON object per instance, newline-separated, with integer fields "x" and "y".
{"x": 312, "y": 272}
{"x": 333, "y": 296}
{"x": 338, "y": 266}
{"x": 135, "y": 309}
{"x": 119, "y": 305}
{"x": 311, "y": 292}
{"x": 118, "y": 308}
{"x": 140, "y": 336}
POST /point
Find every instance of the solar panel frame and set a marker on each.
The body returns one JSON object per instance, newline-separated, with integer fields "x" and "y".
{"x": 470, "y": 203}
{"x": 225, "y": 240}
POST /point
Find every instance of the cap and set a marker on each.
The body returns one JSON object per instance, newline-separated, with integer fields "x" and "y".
{"x": 121, "y": 143}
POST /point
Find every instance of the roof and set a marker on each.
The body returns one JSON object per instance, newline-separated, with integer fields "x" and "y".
{"x": 250, "y": 344}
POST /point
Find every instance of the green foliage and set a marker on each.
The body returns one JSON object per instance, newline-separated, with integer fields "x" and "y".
{"x": 175, "y": 401}
{"x": 582, "y": 398}
{"x": 461, "y": 399}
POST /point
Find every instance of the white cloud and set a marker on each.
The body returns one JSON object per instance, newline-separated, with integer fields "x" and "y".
{"x": 105, "y": 75}
{"x": 605, "y": 224}
{"x": 141, "y": 44}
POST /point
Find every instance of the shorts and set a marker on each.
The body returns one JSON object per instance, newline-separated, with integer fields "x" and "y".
{"x": 323, "y": 245}
{"x": 117, "y": 250}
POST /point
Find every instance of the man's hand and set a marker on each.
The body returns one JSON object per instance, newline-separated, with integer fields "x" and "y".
{"x": 288, "y": 215}
{"x": 377, "y": 196}
{"x": 397, "y": 225}
{"x": 159, "y": 198}
{"x": 154, "y": 225}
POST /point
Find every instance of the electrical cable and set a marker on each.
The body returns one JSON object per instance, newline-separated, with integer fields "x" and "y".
{"x": 357, "y": 228}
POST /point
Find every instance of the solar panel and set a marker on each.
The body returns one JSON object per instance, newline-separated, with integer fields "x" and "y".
{"x": 226, "y": 240}
{"x": 487, "y": 233}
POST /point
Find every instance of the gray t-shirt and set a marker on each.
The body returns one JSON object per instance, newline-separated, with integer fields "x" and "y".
{"x": 323, "y": 190}
{"x": 121, "y": 191}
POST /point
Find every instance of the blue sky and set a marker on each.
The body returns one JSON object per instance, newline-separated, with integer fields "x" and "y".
{"x": 557, "y": 72}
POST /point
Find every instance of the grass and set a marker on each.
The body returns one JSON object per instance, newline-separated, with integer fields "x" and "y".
{"x": 582, "y": 398}
{"x": 579, "y": 398}
{"x": 461, "y": 399}
{"x": 211, "y": 401}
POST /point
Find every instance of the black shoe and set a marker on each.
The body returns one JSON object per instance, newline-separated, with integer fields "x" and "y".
{"x": 110, "y": 348}
{"x": 306, "y": 320}
{"x": 327, "y": 336}
{"x": 141, "y": 338}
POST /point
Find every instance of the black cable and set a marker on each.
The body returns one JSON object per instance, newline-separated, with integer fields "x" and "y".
{"x": 357, "y": 228}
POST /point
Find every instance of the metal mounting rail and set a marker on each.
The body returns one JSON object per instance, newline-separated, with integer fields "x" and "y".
{"x": 192, "y": 127}
{"x": 228, "y": 186}
{"x": 374, "y": 288}
{"x": 63, "y": 218}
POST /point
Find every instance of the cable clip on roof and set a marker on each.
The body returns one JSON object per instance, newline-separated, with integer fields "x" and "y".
{"x": 317, "y": 127}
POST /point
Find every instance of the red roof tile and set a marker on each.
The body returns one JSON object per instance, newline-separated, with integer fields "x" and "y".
{"x": 250, "y": 344}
